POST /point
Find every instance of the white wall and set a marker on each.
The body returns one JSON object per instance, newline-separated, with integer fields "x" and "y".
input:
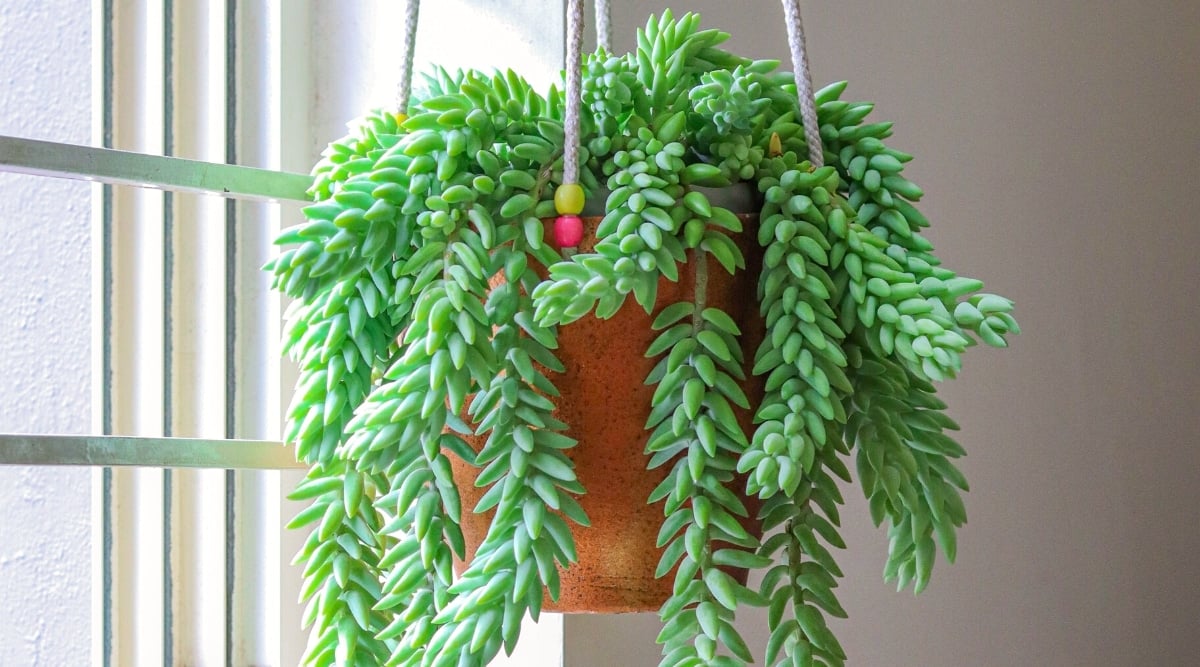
{"x": 45, "y": 595}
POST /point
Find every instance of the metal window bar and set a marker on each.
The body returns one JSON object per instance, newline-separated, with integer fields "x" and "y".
{"x": 116, "y": 167}
{"x": 111, "y": 450}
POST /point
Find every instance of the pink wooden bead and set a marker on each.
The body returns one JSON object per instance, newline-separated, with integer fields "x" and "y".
{"x": 568, "y": 231}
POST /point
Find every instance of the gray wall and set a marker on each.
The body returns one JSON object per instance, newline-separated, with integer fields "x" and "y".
{"x": 45, "y": 291}
{"x": 1056, "y": 142}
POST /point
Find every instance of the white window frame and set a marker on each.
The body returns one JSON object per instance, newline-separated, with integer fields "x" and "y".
{"x": 185, "y": 328}
{"x": 186, "y": 337}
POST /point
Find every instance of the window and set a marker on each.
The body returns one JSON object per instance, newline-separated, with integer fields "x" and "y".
{"x": 190, "y": 564}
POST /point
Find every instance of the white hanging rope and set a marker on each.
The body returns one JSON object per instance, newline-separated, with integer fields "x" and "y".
{"x": 408, "y": 47}
{"x": 804, "y": 88}
{"x": 574, "y": 91}
{"x": 604, "y": 25}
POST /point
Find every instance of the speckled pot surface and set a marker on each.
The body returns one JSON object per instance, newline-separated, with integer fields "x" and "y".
{"x": 606, "y": 403}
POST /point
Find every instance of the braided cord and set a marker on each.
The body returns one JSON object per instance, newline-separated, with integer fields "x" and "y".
{"x": 574, "y": 91}
{"x": 604, "y": 25}
{"x": 408, "y": 47}
{"x": 804, "y": 87}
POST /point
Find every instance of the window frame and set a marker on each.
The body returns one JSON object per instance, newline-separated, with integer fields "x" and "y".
{"x": 267, "y": 59}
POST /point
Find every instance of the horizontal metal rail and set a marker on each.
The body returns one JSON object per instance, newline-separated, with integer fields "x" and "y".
{"x": 83, "y": 450}
{"x": 106, "y": 165}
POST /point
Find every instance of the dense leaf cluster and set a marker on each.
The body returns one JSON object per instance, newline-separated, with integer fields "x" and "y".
{"x": 420, "y": 326}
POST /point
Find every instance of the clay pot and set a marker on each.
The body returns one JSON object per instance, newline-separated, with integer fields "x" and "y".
{"x": 606, "y": 403}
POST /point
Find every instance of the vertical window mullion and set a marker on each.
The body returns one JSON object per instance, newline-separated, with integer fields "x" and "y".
{"x": 135, "y": 339}
{"x": 102, "y": 253}
{"x": 232, "y": 543}
{"x": 168, "y": 332}
{"x": 262, "y": 629}
{"x": 197, "y": 248}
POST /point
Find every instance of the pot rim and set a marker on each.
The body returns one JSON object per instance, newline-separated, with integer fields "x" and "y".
{"x": 741, "y": 197}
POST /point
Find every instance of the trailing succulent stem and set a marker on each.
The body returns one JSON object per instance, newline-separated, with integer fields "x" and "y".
{"x": 340, "y": 331}
{"x": 797, "y": 448}
{"x": 695, "y": 431}
{"x": 425, "y": 327}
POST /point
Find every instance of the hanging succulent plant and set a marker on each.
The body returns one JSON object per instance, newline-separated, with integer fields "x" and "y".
{"x": 428, "y": 302}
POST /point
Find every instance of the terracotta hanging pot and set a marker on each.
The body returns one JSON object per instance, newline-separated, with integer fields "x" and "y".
{"x": 606, "y": 402}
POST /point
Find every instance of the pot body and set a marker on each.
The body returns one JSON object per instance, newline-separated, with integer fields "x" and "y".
{"x": 606, "y": 402}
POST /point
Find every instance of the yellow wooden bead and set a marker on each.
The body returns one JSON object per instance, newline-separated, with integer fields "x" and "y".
{"x": 400, "y": 117}
{"x": 568, "y": 199}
